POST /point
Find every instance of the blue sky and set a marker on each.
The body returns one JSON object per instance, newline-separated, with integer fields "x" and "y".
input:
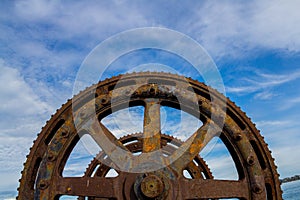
{"x": 255, "y": 45}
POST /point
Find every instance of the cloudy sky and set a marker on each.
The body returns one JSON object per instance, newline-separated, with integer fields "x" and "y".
{"x": 255, "y": 45}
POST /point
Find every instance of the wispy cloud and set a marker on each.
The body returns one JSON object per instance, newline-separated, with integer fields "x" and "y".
{"x": 262, "y": 84}
{"x": 283, "y": 135}
{"x": 80, "y": 158}
{"x": 222, "y": 167}
{"x": 241, "y": 89}
{"x": 265, "y": 95}
{"x": 22, "y": 115}
{"x": 276, "y": 123}
{"x": 271, "y": 80}
{"x": 233, "y": 29}
{"x": 125, "y": 122}
{"x": 287, "y": 159}
{"x": 46, "y": 32}
{"x": 290, "y": 102}
{"x": 219, "y": 160}
{"x": 16, "y": 95}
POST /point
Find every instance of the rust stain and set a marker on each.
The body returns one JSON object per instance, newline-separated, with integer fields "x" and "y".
{"x": 41, "y": 177}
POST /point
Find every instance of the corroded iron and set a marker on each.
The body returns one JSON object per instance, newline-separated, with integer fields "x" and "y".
{"x": 42, "y": 175}
{"x": 197, "y": 169}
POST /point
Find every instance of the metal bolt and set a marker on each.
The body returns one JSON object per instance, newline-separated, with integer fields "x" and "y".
{"x": 51, "y": 157}
{"x": 65, "y": 134}
{"x": 250, "y": 160}
{"x": 104, "y": 100}
{"x": 43, "y": 184}
{"x": 237, "y": 137}
{"x": 69, "y": 189}
{"x": 257, "y": 188}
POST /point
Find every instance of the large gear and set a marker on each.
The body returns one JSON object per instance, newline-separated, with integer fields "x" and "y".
{"x": 42, "y": 175}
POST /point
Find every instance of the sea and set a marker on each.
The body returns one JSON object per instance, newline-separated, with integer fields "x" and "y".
{"x": 291, "y": 191}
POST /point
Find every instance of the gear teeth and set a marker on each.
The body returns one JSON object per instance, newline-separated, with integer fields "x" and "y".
{"x": 91, "y": 167}
{"x": 129, "y": 135}
{"x": 194, "y": 83}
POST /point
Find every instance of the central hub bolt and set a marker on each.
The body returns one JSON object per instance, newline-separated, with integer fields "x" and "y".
{"x": 152, "y": 186}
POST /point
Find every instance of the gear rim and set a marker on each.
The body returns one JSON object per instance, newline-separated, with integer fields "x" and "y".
{"x": 260, "y": 156}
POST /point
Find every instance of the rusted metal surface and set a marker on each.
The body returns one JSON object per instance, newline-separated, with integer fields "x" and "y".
{"x": 151, "y": 126}
{"x": 163, "y": 163}
{"x": 197, "y": 169}
{"x": 152, "y": 186}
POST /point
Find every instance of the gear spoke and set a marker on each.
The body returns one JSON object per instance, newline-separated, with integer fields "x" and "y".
{"x": 210, "y": 188}
{"x": 112, "y": 147}
{"x": 88, "y": 186}
{"x": 151, "y": 126}
{"x": 192, "y": 147}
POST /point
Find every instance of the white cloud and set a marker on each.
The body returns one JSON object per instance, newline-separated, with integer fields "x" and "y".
{"x": 16, "y": 95}
{"x": 73, "y": 19}
{"x": 13, "y": 150}
{"x": 126, "y": 121}
{"x": 283, "y": 138}
{"x": 22, "y": 116}
{"x": 274, "y": 25}
{"x": 9, "y": 184}
{"x": 264, "y": 95}
{"x": 291, "y": 102}
{"x": 37, "y": 9}
{"x": 228, "y": 28}
{"x": 222, "y": 27}
{"x": 280, "y": 133}
{"x": 222, "y": 167}
{"x": 287, "y": 159}
{"x": 271, "y": 80}
{"x": 80, "y": 158}
{"x": 262, "y": 84}
{"x": 275, "y": 123}
{"x": 241, "y": 89}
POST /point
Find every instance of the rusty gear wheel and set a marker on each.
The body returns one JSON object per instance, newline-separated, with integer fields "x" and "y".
{"x": 42, "y": 175}
{"x": 197, "y": 169}
{"x": 134, "y": 142}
